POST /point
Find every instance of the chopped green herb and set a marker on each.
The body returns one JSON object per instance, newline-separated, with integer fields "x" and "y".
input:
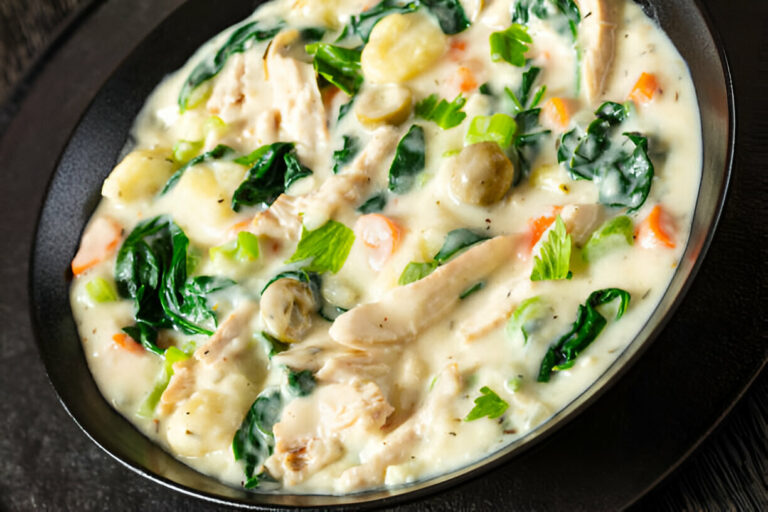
{"x": 510, "y": 45}
{"x": 325, "y": 249}
{"x": 343, "y": 156}
{"x": 588, "y": 325}
{"x": 340, "y": 66}
{"x": 100, "y": 290}
{"x": 415, "y": 271}
{"x": 213, "y": 64}
{"x": 554, "y": 258}
{"x": 445, "y": 115}
{"x": 615, "y": 233}
{"x": 487, "y": 404}
{"x": 514, "y": 384}
{"x": 486, "y": 89}
{"x": 409, "y": 160}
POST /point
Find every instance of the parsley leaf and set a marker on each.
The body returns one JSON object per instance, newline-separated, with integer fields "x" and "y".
{"x": 554, "y": 256}
{"x": 445, "y": 115}
{"x": 343, "y": 156}
{"x": 409, "y": 160}
{"x": 487, "y": 404}
{"x": 340, "y": 66}
{"x": 510, "y": 45}
{"x": 325, "y": 248}
{"x": 588, "y": 325}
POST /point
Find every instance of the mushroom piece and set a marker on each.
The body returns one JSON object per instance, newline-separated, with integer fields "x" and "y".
{"x": 481, "y": 174}
{"x": 378, "y": 104}
{"x": 286, "y": 309}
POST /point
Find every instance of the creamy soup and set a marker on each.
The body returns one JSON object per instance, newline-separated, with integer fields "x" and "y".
{"x": 355, "y": 245}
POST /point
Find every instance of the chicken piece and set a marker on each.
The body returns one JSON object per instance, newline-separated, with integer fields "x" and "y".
{"x": 600, "y": 21}
{"x": 398, "y": 445}
{"x": 282, "y": 220}
{"x": 221, "y": 353}
{"x": 497, "y": 305}
{"x": 228, "y": 93}
{"x": 295, "y": 93}
{"x": 309, "y": 434}
{"x": 404, "y": 311}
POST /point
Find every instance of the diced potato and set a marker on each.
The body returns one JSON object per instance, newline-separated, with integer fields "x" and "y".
{"x": 401, "y": 46}
{"x": 329, "y": 12}
{"x": 551, "y": 178}
{"x": 140, "y": 175}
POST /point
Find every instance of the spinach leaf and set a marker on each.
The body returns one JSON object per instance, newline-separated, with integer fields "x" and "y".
{"x": 325, "y": 249}
{"x": 616, "y": 232}
{"x": 269, "y": 176}
{"x": 298, "y": 275}
{"x": 340, "y": 66}
{"x": 487, "y": 404}
{"x": 219, "y": 152}
{"x": 449, "y": 13}
{"x": 553, "y": 260}
{"x": 373, "y": 204}
{"x": 275, "y": 345}
{"x": 151, "y": 269}
{"x": 348, "y": 151}
{"x": 445, "y": 115}
{"x": 415, "y": 271}
{"x": 213, "y": 64}
{"x": 310, "y": 34}
{"x": 623, "y": 179}
{"x": 409, "y": 160}
{"x": 472, "y": 289}
{"x": 362, "y": 24}
{"x": 301, "y": 383}
{"x": 566, "y": 10}
{"x": 253, "y": 442}
{"x": 588, "y": 325}
{"x": 345, "y": 108}
{"x": 510, "y": 45}
{"x": 456, "y": 241}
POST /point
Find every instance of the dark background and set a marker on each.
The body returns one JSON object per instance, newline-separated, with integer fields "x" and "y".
{"x": 729, "y": 471}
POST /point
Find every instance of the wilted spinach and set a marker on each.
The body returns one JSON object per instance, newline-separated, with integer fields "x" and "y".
{"x": 219, "y": 152}
{"x": 343, "y": 156}
{"x": 409, "y": 160}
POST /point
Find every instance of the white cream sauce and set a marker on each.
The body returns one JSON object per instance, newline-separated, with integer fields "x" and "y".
{"x": 393, "y": 412}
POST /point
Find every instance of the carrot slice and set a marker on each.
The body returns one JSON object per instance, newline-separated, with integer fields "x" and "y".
{"x": 467, "y": 81}
{"x": 656, "y": 230}
{"x": 99, "y": 242}
{"x": 645, "y": 89}
{"x": 381, "y": 235}
{"x": 456, "y": 49}
{"x": 537, "y": 226}
{"x": 556, "y": 113}
{"x": 126, "y": 342}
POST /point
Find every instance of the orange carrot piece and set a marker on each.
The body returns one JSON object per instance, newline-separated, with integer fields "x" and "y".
{"x": 124, "y": 341}
{"x": 556, "y": 113}
{"x": 656, "y": 230}
{"x": 240, "y": 226}
{"x": 381, "y": 235}
{"x": 99, "y": 242}
{"x": 467, "y": 81}
{"x": 645, "y": 89}
{"x": 456, "y": 49}
{"x": 538, "y": 226}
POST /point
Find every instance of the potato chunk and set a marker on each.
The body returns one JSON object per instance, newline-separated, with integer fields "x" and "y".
{"x": 401, "y": 46}
{"x": 140, "y": 175}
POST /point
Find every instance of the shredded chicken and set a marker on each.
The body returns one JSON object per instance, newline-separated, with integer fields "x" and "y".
{"x": 600, "y": 20}
{"x": 406, "y": 310}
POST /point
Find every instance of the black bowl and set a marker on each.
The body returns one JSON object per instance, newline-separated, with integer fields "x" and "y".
{"x": 94, "y": 148}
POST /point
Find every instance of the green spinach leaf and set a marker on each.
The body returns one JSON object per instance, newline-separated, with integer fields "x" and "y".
{"x": 409, "y": 160}
{"x": 253, "y": 442}
{"x": 213, "y": 64}
{"x": 348, "y": 151}
{"x": 373, "y": 204}
{"x": 274, "y": 169}
{"x": 219, "y": 152}
{"x": 588, "y": 325}
{"x": 301, "y": 383}
{"x": 340, "y": 66}
{"x": 455, "y": 242}
{"x": 449, "y": 13}
{"x": 362, "y": 24}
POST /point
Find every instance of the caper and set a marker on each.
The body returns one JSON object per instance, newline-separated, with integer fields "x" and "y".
{"x": 481, "y": 174}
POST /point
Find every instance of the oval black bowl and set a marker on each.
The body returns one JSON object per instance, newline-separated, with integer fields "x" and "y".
{"x": 94, "y": 148}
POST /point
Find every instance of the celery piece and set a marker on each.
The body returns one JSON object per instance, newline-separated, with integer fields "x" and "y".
{"x": 499, "y": 128}
{"x": 186, "y": 150}
{"x": 100, "y": 290}
{"x": 247, "y": 246}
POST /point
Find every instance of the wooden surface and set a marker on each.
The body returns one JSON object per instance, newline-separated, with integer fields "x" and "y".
{"x": 729, "y": 471}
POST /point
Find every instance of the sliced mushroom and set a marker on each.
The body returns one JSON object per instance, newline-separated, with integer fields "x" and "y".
{"x": 378, "y": 104}
{"x": 286, "y": 309}
{"x": 481, "y": 174}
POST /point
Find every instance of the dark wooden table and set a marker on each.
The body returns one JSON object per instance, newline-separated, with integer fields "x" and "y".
{"x": 728, "y": 471}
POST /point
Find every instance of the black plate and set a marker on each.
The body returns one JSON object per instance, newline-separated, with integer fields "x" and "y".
{"x": 92, "y": 152}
